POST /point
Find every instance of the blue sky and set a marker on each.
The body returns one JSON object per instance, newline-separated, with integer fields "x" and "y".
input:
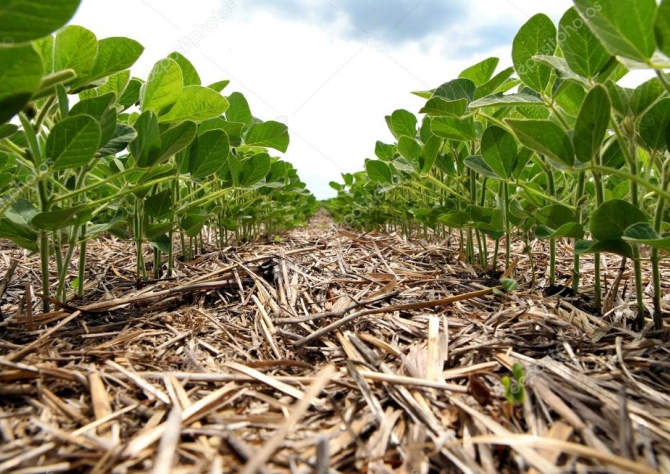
{"x": 330, "y": 69}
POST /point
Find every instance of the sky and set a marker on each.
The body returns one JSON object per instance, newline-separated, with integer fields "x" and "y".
{"x": 329, "y": 69}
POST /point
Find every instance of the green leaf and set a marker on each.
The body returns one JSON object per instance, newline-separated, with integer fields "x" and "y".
{"x": 163, "y": 87}
{"x": 402, "y": 123}
{"x": 492, "y": 86}
{"x": 20, "y": 77}
{"x": 557, "y": 221}
{"x": 27, "y": 20}
{"x": 58, "y": 219}
{"x": 615, "y": 246}
{"x": 583, "y": 52}
{"x": 176, "y": 138}
{"x": 7, "y": 130}
{"x": 114, "y": 55}
{"x": 384, "y": 151}
{"x": 131, "y": 94}
{"x": 662, "y": 29}
{"x": 536, "y": 36}
{"x": 545, "y": 137}
{"x": 93, "y": 230}
{"x": 653, "y": 125}
{"x": 592, "y": 124}
{"x": 123, "y": 135}
{"x": 100, "y": 108}
{"x": 644, "y": 233}
{"x": 456, "y": 90}
{"x": 507, "y": 101}
{"x": 161, "y": 243}
{"x": 22, "y": 235}
{"x": 196, "y": 103}
{"x": 499, "y": 151}
{"x": 573, "y": 230}
{"x": 612, "y": 218}
{"x": 409, "y": 148}
{"x": 570, "y": 96}
{"x": 160, "y": 205}
{"x": 146, "y": 147}
{"x": 75, "y": 48}
{"x": 481, "y": 72}
{"x": 208, "y": 153}
{"x": 620, "y": 97}
{"x": 191, "y": 77}
{"x": 562, "y": 69}
{"x": 194, "y": 221}
{"x": 378, "y": 172}
{"x": 429, "y": 153}
{"x": 254, "y": 169}
{"x": 439, "y": 106}
{"x": 116, "y": 83}
{"x": 477, "y": 163}
{"x": 269, "y": 134}
{"x": 219, "y": 85}
{"x": 625, "y": 27}
{"x": 73, "y": 142}
{"x": 239, "y": 110}
{"x": 454, "y": 128}
{"x": 645, "y": 95}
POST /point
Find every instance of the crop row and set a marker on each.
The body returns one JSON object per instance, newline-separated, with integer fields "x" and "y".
{"x": 86, "y": 148}
{"x": 551, "y": 148}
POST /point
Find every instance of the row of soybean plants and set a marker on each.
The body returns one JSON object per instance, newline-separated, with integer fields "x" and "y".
{"x": 85, "y": 148}
{"x": 551, "y": 148}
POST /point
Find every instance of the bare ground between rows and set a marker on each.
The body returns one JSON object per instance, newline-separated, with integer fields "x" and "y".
{"x": 327, "y": 350}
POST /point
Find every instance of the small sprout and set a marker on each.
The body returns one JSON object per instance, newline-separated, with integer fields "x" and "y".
{"x": 514, "y": 387}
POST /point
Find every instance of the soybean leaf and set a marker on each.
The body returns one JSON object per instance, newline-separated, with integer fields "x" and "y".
{"x": 163, "y": 87}
{"x": 545, "y": 137}
{"x": 583, "y": 52}
{"x": 429, "y": 153}
{"x": 193, "y": 222}
{"x": 409, "y": 148}
{"x": 22, "y": 235}
{"x": 116, "y": 83}
{"x": 27, "y": 20}
{"x": 615, "y": 246}
{"x": 454, "y": 128}
{"x": 620, "y": 97}
{"x": 219, "y": 85}
{"x": 536, "y": 36}
{"x": 570, "y": 96}
{"x": 625, "y": 27}
{"x": 457, "y": 219}
{"x": 160, "y": 205}
{"x": 492, "y": 86}
{"x": 239, "y": 110}
{"x": 644, "y": 233}
{"x": 161, "y": 242}
{"x": 75, "y": 48}
{"x": 20, "y": 77}
{"x": 439, "y": 106}
{"x": 114, "y": 55}
{"x": 384, "y": 151}
{"x": 481, "y": 72}
{"x": 154, "y": 231}
{"x": 378, "y": 172}
{"x": 592, "y": 123}
{"x": 477, "y": 163}
{"x": 176, "y": 138}
{"x": 123, "y": 135}
{"x": 456, "y": 90}
{"x": 190, "y": 75}
{"x": 208, "y": 153}
{"x": 254, "y": 169}
{"x": 93, "y": 230}
{"x": 269, "y": 134}
{"x": 499, "y": 151}
{"x": 100, "y": 108}
{"x": 59, "y": 218}
{"x": 73, "y": 142}
{"x": 558, "y": 221}
{"x": 561, "y": 67}
{"x": 612, "y": 218}
{"x": 146, "y": 147}
{"x": 131, "y": 94}
{"x": 196, "y": 103}
{"x": 402, "y": 123}
{"x": 507, "y": 101}
{"x": 646, "y": 94}
{"x": 654, "y": 124}
{"x": 662, "y": 29}
{"x": 7, "y": 130}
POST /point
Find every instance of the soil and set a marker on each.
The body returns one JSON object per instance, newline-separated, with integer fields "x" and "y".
{"x": 327, "y": 350}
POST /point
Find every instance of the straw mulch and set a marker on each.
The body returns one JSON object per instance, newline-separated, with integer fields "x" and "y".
{"x": 327, "y": 352}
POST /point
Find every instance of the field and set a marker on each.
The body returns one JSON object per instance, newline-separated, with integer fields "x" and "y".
{"x": 489, "y": 294}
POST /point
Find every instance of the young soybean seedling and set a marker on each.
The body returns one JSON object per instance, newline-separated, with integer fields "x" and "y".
{"x": 514, "y": 387}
